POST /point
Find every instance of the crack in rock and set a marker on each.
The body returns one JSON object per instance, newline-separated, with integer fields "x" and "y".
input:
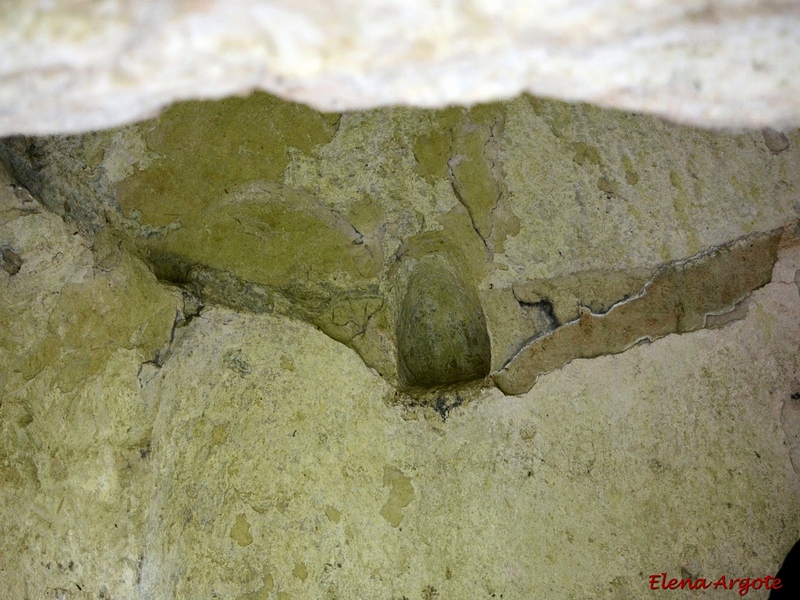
{"x": 683, "y": 296}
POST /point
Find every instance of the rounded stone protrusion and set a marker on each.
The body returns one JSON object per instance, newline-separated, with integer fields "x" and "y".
{"x": 442, "y": 337}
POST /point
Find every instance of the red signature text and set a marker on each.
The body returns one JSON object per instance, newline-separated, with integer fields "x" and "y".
{"x": 741, "y": 584}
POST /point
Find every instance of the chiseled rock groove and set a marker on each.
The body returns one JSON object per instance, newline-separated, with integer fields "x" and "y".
{"x": 70, "y": 66}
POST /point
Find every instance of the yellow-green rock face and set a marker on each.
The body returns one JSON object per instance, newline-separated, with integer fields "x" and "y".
{"x": 276, "y": 236}
{"x": 148, "y": 451}
{"x": 200, "y": 149}
{"x": 266, "y": 206}
{"x": 80, "y": 331}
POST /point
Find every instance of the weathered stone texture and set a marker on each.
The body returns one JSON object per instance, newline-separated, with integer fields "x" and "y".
{"x": 680, "y": 297}
{"x": 256, "y": 457}
{"x": 70, "y": 66}
{"x": 75, "y": 328}
{"x": 669, "y": 456}
{"x": 250, "y": 359}
{"x": 550, "y": 208}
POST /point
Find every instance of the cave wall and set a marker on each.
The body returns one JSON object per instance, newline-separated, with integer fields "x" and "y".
{"x": 69, "y": 66}
{"x": 525, "y": 349}
{"x": 448, "y": 338}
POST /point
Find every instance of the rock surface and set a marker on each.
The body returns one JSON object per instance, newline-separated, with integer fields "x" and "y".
{"x": 75, "y": 432}
{"x": 69, "y": 67}
{"x": 541, "y": 209}
{"x": 262, "y": 459}
{"x": 204, "y": 331}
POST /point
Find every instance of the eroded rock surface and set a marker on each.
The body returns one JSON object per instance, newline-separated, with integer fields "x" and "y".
{"x": 186, "y": 400}
{"x": 78, "y": 325}
{"x": 680, "y": 297}
{"x": 609, "y": 469}
{"x": 552, "y": 210}
{"x": 70, "y": 67}
{"x": 441, "y": 329}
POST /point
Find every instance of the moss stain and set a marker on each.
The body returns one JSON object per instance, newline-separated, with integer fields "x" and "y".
{"x": 263, "y": 593}
{"x": 608, "y": 186}
{"x": 472, "y": 178}
{"x": 300, "y": 571}
{"x": 631, "y": 176}
{"x": 219, "y": 434}
{"x": 80, "y": 322}
{"x": 585, "y": 154}
{"x": 432, "y": 151}
{"x": 334, "y": 516}
{"x": 240, "y": 532}
{"x": 204, "y": 148}
{"x": 401, "y": 493}
{"x": 559, "y": 116}
{"x": 682, "y": 204}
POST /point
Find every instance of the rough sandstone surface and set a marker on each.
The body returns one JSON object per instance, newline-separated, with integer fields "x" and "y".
{"x": 264, "y": 460}
{"x": 529, "y": 212}
{"x": 69, "y": 66}
{"x": 249, "y": 350}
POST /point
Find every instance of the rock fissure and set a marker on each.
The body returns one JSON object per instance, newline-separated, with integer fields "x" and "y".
{"x": 680, "y": 298}
{"x": 470, "y": 210}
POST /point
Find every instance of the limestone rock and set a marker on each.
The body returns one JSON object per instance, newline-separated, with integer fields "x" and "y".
{"x": 264, "y": 206}
{"x": 441, "y": 329}
{"x": 69, "y": 68}
{"x": 152, "y": 446}
{"x": 607, "y": 471}
{"x": 77, "y": 322}
{"x": 679, "y": 298}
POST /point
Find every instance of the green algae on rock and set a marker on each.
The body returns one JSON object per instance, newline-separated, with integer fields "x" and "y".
{"x": 203, "y": 148}
{"x": 274, "y": 236}
{"x": 401, "y": 493}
